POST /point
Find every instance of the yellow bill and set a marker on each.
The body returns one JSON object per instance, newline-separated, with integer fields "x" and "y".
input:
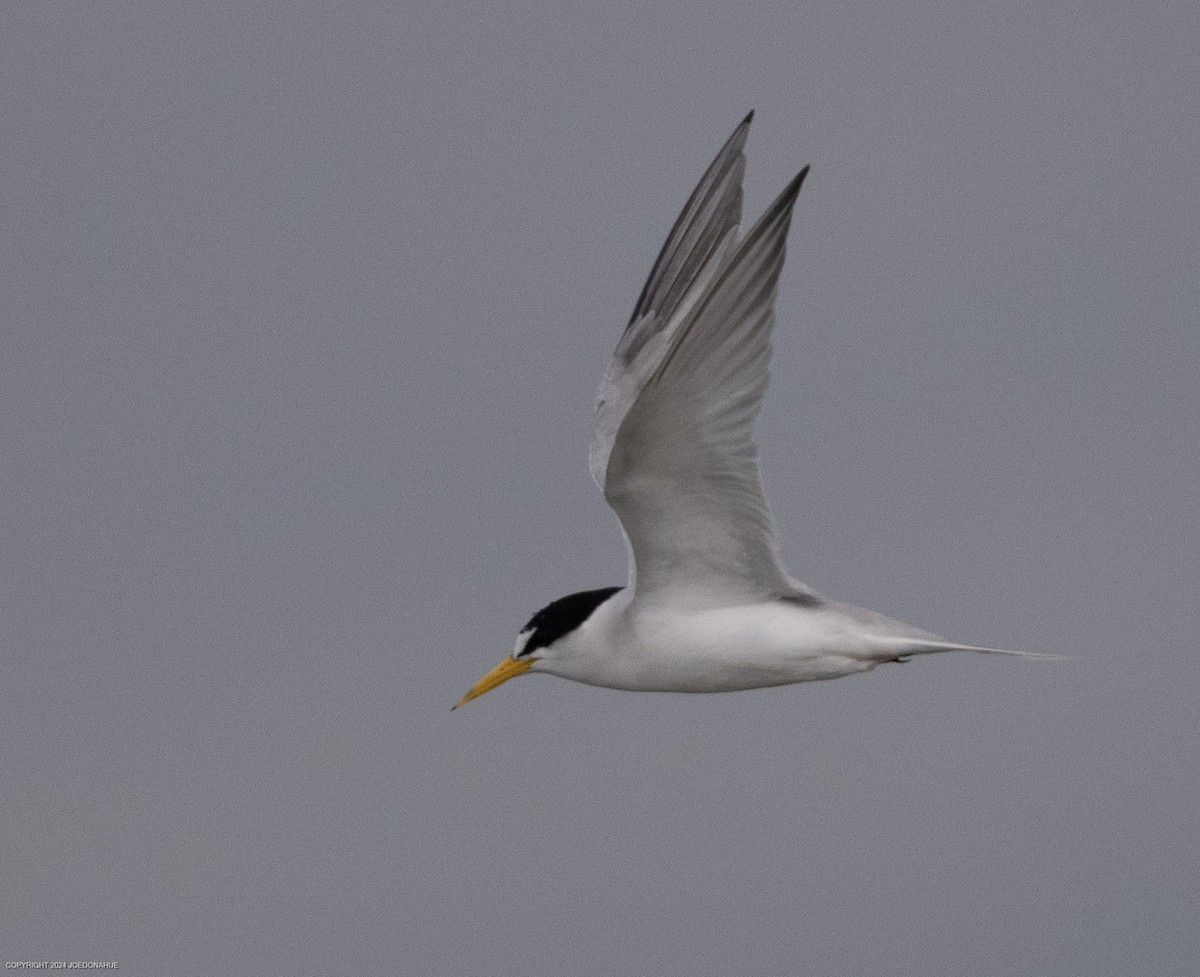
{"x": 507, "y": 669}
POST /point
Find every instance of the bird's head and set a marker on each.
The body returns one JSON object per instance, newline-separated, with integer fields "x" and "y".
{"x": 542, "y": 638}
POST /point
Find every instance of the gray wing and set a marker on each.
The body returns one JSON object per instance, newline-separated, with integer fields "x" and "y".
{"x": 703, "y": 235}
{"x": 682, "y": 469}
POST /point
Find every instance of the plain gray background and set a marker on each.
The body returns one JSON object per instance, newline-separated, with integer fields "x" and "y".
{"x": 303, "y": 311}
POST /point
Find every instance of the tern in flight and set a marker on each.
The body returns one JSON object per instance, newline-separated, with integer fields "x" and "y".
{"x": 709, "y": 606}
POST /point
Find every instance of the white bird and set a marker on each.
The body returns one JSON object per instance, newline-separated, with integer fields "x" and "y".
{"x": 709, "y": 606}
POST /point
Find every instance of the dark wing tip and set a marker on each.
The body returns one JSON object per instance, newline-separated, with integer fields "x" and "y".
{"x": 781, "y": 208}
{"x": 726, "y": 165}
{"x": 734, "y": 146}
{"x": 793, "y": 188}
{"x": 737, "y": 141}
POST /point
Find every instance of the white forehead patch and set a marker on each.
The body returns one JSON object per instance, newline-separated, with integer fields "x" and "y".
{"x": 522, "y": 640}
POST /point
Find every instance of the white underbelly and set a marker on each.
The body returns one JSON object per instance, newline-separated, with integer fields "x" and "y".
{"x": 723, "y": 650}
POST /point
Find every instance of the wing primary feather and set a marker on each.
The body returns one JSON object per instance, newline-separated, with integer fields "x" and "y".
{"x": 666, "y": 279}
{"x": 769, "y": 231}
{"x": 697, "y": 248}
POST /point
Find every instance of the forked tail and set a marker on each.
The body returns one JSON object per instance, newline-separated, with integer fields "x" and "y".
{"x": 907, "y": 648}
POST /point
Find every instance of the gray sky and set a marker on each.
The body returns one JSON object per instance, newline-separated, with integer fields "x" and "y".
{"x": 303, "y": 311}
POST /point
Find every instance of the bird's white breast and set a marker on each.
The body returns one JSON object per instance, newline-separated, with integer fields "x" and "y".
{"x": 627, "y": 645}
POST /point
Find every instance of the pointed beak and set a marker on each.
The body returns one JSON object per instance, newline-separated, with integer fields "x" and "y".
{"x": 507, "y": 669}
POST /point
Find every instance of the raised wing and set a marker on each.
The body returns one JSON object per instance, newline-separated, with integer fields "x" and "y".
{"x": 682, "y": 473}
{"x": 703, "y": 235}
